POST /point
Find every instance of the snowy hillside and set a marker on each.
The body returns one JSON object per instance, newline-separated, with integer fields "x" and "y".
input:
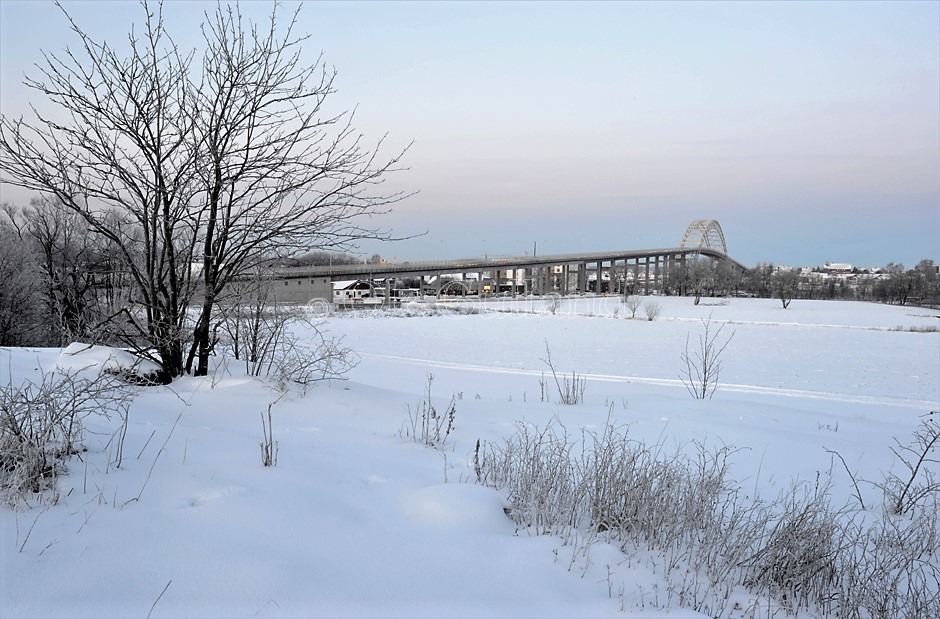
{"x": 357, "y": 519}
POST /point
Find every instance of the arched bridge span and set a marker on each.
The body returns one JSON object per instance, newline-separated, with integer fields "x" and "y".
{"x": 705, "y": 234}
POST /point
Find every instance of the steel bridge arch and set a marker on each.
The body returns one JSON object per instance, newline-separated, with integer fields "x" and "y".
{"x": 704, "y": 233}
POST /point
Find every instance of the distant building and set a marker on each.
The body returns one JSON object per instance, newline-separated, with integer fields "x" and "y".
{"x": 838, "y": 267}
{"x": 351, "y": 290}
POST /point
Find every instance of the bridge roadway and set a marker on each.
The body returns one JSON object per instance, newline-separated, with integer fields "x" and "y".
{"x": 656, "y": 263}
{"x": 472, "y": 265}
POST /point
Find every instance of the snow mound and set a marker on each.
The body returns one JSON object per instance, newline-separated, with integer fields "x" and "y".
{"x": 80, "y": 357}
{"x": 467, "y": 507}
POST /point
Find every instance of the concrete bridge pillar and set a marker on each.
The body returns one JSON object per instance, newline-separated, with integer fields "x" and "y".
{"x": 659, "y": 273}
{"x": 665, "y": 278}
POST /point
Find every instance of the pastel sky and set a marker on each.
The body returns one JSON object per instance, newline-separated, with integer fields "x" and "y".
{"x": 809, "y": 130}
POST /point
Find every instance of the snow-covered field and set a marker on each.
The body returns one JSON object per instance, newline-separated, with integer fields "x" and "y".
{"x": 358, "y": 520}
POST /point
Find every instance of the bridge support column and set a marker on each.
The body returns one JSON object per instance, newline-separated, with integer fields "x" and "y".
{"x": 665, "y": 282}
{"x": 659, "y": 273}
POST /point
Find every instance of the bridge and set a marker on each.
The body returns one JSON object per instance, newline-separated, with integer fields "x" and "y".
{"x": 647, "y": 268}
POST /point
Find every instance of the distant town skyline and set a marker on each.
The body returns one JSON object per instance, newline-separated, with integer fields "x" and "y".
{"x": 810, "y": 131}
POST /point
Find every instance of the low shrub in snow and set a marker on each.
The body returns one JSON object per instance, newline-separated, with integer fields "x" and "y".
{"x": 426, "y": 425}
{"x": 41, "y": 424}
{"x": 922, "y": 479}
{"x": 652, "y": 309}
{"x": 570, "y": 389}
{"x": 711, "y": 536}
{"x": 282, "y": 342}
{"x": 703, "y": 361}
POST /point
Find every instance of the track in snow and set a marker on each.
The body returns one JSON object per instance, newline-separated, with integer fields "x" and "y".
{"x": 669, "y": 382}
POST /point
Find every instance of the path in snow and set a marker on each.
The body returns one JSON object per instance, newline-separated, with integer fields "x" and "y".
{"x": 667, "y": 382}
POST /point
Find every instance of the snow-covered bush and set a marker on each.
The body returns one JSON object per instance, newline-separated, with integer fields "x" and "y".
{"x": 708, "y": 533}
{"x": 286, "y": 343}
{"x": 121, "y": 364}
{"x": 796, "y": 562}
{"x": 920, "y": 485}
{"x": 41, "y": 425}
{"x": 652, "y": 309}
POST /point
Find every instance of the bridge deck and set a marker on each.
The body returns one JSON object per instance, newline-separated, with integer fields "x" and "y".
{"x": 502, "y": 262}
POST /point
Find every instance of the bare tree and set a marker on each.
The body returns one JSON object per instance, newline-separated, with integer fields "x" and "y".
{"x": 899, "y": 283}
{"x": 118, "y": 152}
{"x": 277, "y": 174}
{"x": 758, "y": 280}
{"x": 700, "y": 276}
{"x": 633, "y": 303}
{"x": 924, "y": 282}
{"x": 227, "y": 163}
{"x": 784, "y": 285}
{"x": 66, "y": 256}
{"x": 324, "y": 258}
{"x": 703, "y": 363}
{"x": 20, "y": 306}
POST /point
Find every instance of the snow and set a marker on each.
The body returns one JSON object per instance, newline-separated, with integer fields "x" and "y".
{"x": 79, "y": 357}
{"x": 356, "y": 520}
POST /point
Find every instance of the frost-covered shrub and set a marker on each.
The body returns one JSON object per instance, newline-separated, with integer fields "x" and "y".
{"x": 41, "y": 424}
{"x": 282, "y": 342}
{"x": 796, "y": 561}
{"x": 652, "y": 309}
{"x": 709, "y": 534}
{"x": 427, "y": 425}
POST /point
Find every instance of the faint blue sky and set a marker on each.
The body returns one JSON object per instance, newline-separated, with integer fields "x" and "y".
{"x": 810, "y": 130}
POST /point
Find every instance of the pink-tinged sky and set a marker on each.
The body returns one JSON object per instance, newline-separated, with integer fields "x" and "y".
{"x": 809, "y": 130}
